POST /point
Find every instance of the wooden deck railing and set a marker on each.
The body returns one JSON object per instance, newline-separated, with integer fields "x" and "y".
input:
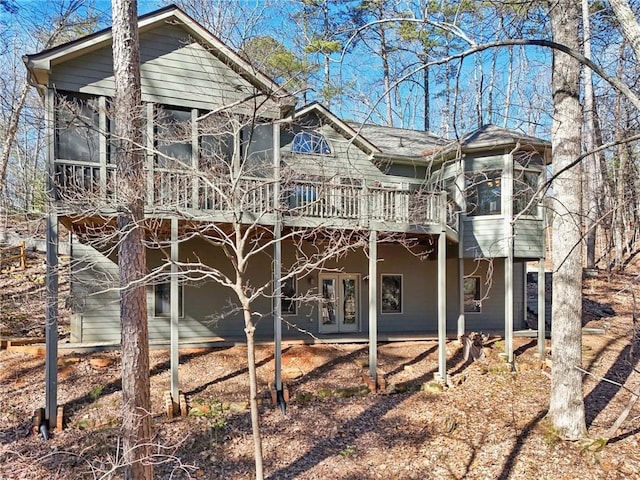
{"x": 175, "y": 189}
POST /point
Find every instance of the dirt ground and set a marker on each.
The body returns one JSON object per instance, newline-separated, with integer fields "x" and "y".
{"x": 489, "y": 424}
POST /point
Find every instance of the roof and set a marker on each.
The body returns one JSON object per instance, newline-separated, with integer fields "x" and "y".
{"x": 40, "y": 64}
{"x": 490, "y": 137}
{"x": 343, "y": 127}
{"x": 399, "y": 142}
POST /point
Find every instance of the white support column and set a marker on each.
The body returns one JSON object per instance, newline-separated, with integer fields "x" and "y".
{"x": 507, "y": 211}
{"x": 542, "y": 316}
{"x": 373, "y": 304}
{"x": 195, "y": 160}
{"x": 442, "y": 307}
{"x": 51, "y": 312}
{"x": 277, "y": 264}
{"x": 460, "y": 188}
{"x": 175, "y": 312}
{"x": 508, "y": 304}
{"x": 102, "y": 146}
{"x": 150, "y": 156}
{"x": 51, "y": 326}
{"x": 461, "y": 317}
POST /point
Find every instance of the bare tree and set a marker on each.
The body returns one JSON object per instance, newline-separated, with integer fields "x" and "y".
{"x": 70, "y": 19}
{"x": 129, "y": 156}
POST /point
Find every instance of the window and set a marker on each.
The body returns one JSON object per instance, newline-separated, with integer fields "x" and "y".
{"x": 162, "y": 300}
{"x": 216, "y": 141}
{"x": 288, "y": 300}
{"x": 525, "y": 187}
{"x": 484, "y": 193}
{"x": 77, "y": 128}
{"x": 173, "y": 137}
{"x": 391, "y": 294}
{"x": 310, "y": 142}
{"x": 472, "y": 303}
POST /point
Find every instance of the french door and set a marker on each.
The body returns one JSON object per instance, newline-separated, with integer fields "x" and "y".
{"x": 340, "y": 303}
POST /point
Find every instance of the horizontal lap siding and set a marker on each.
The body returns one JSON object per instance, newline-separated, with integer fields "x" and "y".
{"x": 491, "y": 273}
{"x": 529, "y": 238}
{"x": 95, "y": 295}
{"x": 174, "y": 71}
{"x": 484, "y": 237}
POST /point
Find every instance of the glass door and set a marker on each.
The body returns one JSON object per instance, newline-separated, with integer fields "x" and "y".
{"x": 340, "y": 304}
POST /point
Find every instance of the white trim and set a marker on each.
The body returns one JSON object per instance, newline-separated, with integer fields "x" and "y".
{"x": 382, "y": 275}
{"x": 293, "y": 299}
{"x": 479, "y": 285}
{"x": 168, "y": 314}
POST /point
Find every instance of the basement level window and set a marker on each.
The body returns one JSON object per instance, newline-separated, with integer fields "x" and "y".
{"x": 310, "y": 142}
{"x": 162, "y": 300}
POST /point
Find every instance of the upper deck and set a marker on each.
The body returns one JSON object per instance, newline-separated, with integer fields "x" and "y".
{"x": 300, "y": 202}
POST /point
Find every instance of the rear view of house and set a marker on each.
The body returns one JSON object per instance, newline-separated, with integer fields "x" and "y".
{"x": 357, "y": 231}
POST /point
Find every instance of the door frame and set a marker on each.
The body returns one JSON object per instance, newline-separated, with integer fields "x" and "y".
{"x": 339, "y": 326}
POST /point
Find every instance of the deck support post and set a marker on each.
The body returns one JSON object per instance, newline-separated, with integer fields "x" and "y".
{"x": 442, "y": 307}
{"x": 509, "y": 231}
{"x": 542, "y": 310}
{"x": 373, "y": 305}
{"x": 461, "y": 318}
{"x": 277, "y": 272}
{"x": 175, "y": 313}
{"x": 508, "y": 305}
{"x": 51, "y": 326}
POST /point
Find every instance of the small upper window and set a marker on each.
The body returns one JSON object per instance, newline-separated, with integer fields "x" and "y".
{"x": 310, "y": 142}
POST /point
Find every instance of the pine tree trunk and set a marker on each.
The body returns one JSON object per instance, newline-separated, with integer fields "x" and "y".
{"x": 136, "y": 399}
{"x": 566, "y": 409}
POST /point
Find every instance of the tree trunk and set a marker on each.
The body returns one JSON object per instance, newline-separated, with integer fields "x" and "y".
{"x": 566, "y": 409}
{"x": 592, "y": 183}
{"x": 10, "y": 135}
{"x": 136, "y": 403}
{"x": 253, "y": 391}
{"x": 628, "y": 23}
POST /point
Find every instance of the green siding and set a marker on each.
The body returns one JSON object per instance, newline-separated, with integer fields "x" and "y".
{"x": 528, "y": 238}
{"x": 484, "y": 237}
{"x": 174, "y": 69}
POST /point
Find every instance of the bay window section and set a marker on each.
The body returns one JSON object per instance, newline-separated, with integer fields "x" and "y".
{"x": 484, "y": 193}
{"x": 525, "y": 189}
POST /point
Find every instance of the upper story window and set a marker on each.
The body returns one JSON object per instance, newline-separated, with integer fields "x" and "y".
{"x": 77, "y": 128}
{"x": 525, "y": 189}
{"x": 484, "y": 193}
{"x": 173, "y": 137}
{"x": 310, "y": 142}
{"x": 216, "y": 134}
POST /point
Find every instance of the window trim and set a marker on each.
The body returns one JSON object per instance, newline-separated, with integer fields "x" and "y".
{"x": 293, "y": 300}
{"x": 78, "y": 124}
{"x": 316, "y": 139}
{"x": 400, "y": 309}
{"x": 180, "y": 301}
{"x": 477, "y": 295}
{"x": 475, "y": 185}
{"x": 536, "y": 206}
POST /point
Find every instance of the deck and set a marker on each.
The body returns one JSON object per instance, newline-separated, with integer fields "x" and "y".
{"x": 299, "y": 203}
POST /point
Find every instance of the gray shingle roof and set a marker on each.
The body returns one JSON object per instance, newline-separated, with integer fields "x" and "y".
{"x": 399, "y": 141}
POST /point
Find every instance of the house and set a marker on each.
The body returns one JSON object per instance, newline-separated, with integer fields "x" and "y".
{"x": 442, "y": 230}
